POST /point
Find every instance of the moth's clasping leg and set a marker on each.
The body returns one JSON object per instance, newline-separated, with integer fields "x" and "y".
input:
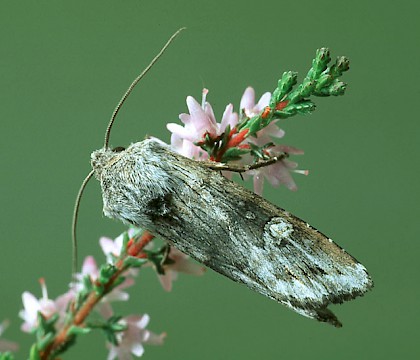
{"x": 242, "y": 168}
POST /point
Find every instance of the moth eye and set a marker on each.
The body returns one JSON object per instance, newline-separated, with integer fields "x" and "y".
{"x": 118, "y": 149}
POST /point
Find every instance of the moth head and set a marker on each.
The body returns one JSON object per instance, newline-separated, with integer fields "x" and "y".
{"x": 102, "y": 157}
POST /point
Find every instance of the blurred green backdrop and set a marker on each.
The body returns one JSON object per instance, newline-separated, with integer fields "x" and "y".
{"x": 64, "y": 66}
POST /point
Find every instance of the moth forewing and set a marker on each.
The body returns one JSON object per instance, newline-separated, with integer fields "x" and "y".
{"x": 228, "y": 228}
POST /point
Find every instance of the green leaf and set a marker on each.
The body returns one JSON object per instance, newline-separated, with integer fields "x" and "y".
{"x": 116, "y": 326}
{"x": 106, "y": 271}
{"x": 341, "y": 65}
{"x": 158, "y": 258}
{"x": 306, "y": 88}
{"x": 113, "y": 319}
{"x": 335, "y": 89}
{"x": 45, "y": 341}
{"x": 111, "y": 327}
{"x": 6, "y": 356}
{"x": 225, "y": 137}
{"x": 319, "y": 64}
{"x": 110, "y": 336}
{"x": 284, "y": 86}
{"x": 71, "y": 340}
{"x": 232, "y": 154}
{"x": 126, "y": 239}
{"x": 134, "y": 262}
{"x": 77, "y": 330}
{"x": 323, "y": 81}
{"x": 34, "y": 353}
{"x": 303, "y": 107}
{"x": 45, "y": 327}
{"x": 87, "y": 283}
{"x": 258, "y": 152}
{"x": 118, "y": 281}
{"x": 254, "y": 125}
{"x": 99, "y": 289}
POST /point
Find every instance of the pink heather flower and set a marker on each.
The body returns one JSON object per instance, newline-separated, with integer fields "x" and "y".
{"x": 6, "y": 345}
{"x": 113, "y": 248}
{"x": 132, "y": 339}
{"x": 182, "y": 263}
{"x": 279, "y": 172}
{"x": 248, "y": 104}
{"x": 197, "y": 123}
{"x": 251, "y": 109}
{"x": 44, "y": 305}
{"x": 228, "y": 118}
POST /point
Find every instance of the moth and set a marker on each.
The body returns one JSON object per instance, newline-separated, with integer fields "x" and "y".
{"x": 226, "y": 227}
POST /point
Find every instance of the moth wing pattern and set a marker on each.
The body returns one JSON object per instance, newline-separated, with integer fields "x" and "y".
{"x": 228, "y": 228}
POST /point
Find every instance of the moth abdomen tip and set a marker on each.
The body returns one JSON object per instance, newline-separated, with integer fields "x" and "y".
{"x": 326, "y": 315}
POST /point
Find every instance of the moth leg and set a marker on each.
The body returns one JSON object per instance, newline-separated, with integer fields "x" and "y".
{"x": 242, "y": 168}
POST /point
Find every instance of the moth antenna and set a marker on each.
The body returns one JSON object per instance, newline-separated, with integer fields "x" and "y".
{"x": 106, "y": 142}
{"x": 134, "y": 83}
{"x": 74, "y": 222}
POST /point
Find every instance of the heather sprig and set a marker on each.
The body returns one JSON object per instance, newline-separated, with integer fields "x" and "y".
{"x": 87, "y": 305}
{"x": 321, "y": 80}
{"x": 247, "y": 137}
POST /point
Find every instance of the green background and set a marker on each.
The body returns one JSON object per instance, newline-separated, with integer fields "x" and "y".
{"x": 63, "y": 67}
